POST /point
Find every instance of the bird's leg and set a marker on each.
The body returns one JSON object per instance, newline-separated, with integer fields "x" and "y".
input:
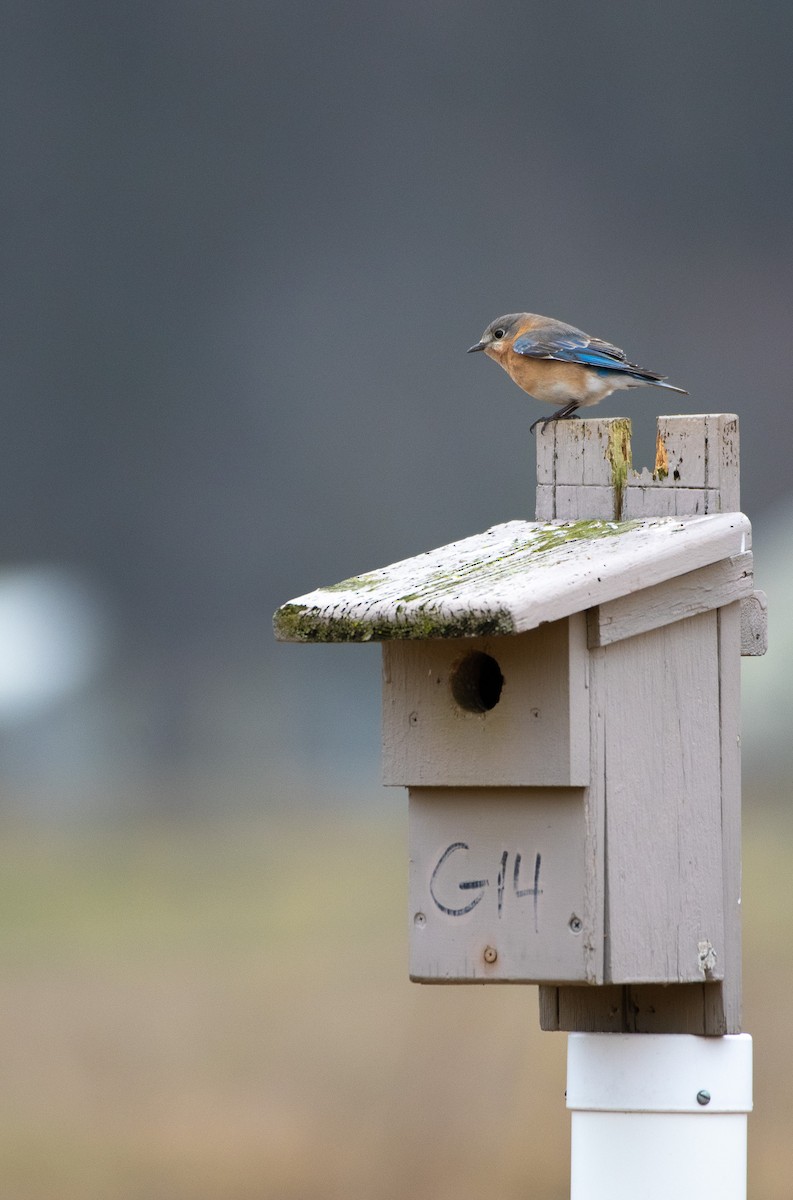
{"x": 562, "y": 414}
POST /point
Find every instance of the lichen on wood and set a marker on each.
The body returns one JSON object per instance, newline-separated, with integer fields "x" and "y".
{"x": 618, "y": 453}
{"x": 508, "y": 579}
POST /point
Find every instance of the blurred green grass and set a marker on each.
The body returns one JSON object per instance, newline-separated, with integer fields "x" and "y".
{"x": 221, "y": 1008}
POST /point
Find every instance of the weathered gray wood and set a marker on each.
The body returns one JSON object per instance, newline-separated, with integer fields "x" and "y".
{"x": 646, "y": 1008}
{"x": 600, "y": 501}
{"x": 584, "y": 464}
{"x": 639, "y": 502}
{"x": 546, "y": 500}
{"x": 497, "y": 886}
{"x": 696, "y": 471}
{"x": 729, "y": 641}
{"x": 754, "y": 625}
{"x": 696, "y": 592}
{"x": 587, "y": 469}
{"x": 663, "y": 806}
{"x": 580, "y": 452}
{"x": 511, "y": 578}
{"x": 724, "y": 471}
{"x": 657, "y": 698}
{"x": 537, "y": 734}
{"x": 590, "y": 1008}
{"x": 583, "y": 1009}
{"x": 546, "y": 471}
{"x": 595, "y": 813}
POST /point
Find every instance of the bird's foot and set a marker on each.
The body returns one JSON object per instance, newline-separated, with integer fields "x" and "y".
{"x": 564, "y": 414}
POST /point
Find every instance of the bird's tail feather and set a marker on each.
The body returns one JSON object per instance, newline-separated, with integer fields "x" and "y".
{"x": 670, "y": 386}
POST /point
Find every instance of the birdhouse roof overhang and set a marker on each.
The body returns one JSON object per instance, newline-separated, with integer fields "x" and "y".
{"x": 512, "y": 578}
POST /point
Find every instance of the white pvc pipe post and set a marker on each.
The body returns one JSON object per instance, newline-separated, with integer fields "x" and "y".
{"x": 658, "y": 1116}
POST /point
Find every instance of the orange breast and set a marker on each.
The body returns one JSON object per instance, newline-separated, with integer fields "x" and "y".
{"x": 546, "y": 379}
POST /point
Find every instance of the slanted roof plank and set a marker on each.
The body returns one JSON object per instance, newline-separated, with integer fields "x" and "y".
{"x": 499, "y": 582}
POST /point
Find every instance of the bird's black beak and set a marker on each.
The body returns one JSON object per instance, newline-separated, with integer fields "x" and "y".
{"x": 478, "y": 346}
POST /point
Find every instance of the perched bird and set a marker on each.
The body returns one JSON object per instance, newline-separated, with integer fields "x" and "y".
{"x": 561, "y": 364}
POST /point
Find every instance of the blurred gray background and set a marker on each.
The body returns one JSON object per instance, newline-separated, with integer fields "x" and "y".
{"x": 245, "y": 248}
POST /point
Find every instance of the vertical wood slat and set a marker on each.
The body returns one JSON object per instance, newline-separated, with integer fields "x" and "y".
{"x": 729, "y": 634}
{"x": 663, "y": 805}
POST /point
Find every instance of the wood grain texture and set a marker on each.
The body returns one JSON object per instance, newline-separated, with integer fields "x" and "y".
{"x": 686, "y": 596}
{"x": 696, "y": 471}
{"x": 754, "y": 625}
{"x": 599, "y": 501}
{"x": 645, "y": 1008}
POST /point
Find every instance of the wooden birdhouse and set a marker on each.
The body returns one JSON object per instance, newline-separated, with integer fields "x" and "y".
{"x": 561, "y": 700}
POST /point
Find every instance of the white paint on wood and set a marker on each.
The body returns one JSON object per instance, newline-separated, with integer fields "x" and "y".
{"x": 545, "y": 461}
{"x": 497, "y": 887}
{"x": 546, "y": 501}
{"x": 696, "y": 592}
{"x": 644, "y": 502}
{"x": 573, "y": 453}
{"x": 536, "y": 734}
{"x": 599, "y": 502}
{"x": 511, "y": 578}
{"x": 696, "y": 470}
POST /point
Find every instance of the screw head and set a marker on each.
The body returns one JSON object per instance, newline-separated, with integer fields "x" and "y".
{"x": 575, "y": 924}
{"x": 491, "y": 954}
{"x": 703, "y": 1097}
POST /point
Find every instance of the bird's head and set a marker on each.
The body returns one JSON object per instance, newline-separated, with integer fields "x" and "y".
{"x": 499, "y": 335}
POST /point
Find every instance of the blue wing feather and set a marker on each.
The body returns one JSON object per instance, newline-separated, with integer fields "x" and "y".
{"x": 565, "y": 344}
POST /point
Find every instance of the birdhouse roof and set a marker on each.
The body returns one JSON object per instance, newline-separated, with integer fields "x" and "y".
{"x": 511, "y": 578}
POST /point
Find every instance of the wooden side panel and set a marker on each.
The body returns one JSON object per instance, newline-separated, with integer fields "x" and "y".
{"x": 709, "y": 1008}
{"x": 663, "y": 806}
{"x": 537, "y": 734}
{"x": 497, "y": 883}
{"x": 729, "y": 634}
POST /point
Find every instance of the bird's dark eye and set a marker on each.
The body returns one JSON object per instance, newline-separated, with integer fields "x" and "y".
{"x": 499, "y": 333}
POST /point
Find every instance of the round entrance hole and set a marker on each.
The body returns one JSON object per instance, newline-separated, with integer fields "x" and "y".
{"x": 476, "y": 682}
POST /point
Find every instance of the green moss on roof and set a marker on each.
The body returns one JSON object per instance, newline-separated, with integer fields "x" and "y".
{"x": 547, "y": 537}
{"x": 298, "y": 622}
{"x": 370, "y": 607}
